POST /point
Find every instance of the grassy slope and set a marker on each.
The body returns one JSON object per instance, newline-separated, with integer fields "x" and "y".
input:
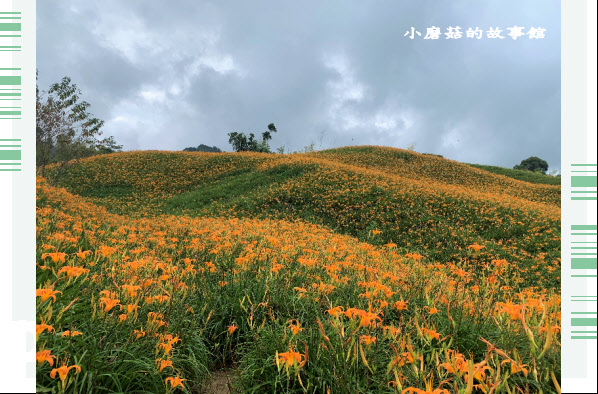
{"x": 526, "y": 176}
{"x": 419, "y": 202}
{"x": 431, "y": 168}
{"x": 182, "y": 281}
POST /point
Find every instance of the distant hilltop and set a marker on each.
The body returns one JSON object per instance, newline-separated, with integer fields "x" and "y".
{"x": 203, "y": 148}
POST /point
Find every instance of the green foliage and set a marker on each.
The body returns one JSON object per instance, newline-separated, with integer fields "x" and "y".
{"x": 242, "y": 143}
{"x": 233, "y": 187}
{"x": 203, "y": 148}
{"x": 307, "y": 149}
{"x": 345, "y": 200}
{"x": 65, "y": 130}
{"x": 263, "y": 300}
{"x": 534, "y": 164}
{"x": 262, "y": 284}
{"x": 522, "y": 175}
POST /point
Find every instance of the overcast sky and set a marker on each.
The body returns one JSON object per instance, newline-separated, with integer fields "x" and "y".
{"x": 172, "y": 74}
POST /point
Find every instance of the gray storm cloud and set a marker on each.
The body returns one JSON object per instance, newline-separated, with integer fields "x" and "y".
{"x": 167, "y": 75}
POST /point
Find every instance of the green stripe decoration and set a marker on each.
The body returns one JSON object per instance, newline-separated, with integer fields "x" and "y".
{"x": 10, "y": 159}
{"x": 584, "y": 298}
{"x": 8, "y": 32}
{"x": 584, "y": 324}
{"x": 7, "y": 112}
{"x": 10, "y": 91}
{"x": 10, "y": 26}
{"x": 583, "y": 264}
{"x": 584, "y": 181}
{"x": 14, "y": 80}
{"x": 584, "y": 250}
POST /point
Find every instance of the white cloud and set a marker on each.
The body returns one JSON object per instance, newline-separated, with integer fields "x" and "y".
{"x": 222, "y": 64}
{"x": 121, "y": 118}
{"x": 153, "y": 95}
{"x": 127, "y": 34}
{"x": 346, "y": 93}
{"x": 194, "y": 70}
{"x": 346, "y": 87}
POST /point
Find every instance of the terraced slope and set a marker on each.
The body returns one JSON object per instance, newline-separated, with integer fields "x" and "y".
{"x": 378, "y": 201}
{"x": 154, "y": 304}
{"x": 361, "y": 269}
{"x": 522, "y": 175}
{"x": 431, "y": 168}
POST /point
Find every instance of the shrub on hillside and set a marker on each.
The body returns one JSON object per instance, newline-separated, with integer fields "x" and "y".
{"x": 203, "y": 148}
{"x": 534, "y": 164}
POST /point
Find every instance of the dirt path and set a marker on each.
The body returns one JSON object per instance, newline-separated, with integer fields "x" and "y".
{"x": 220, "y": 383}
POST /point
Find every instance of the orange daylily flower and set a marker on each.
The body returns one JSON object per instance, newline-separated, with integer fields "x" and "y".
{"x": 420, "y": 391}
{"x": 167, "y": 347}
{"x": 63, "y": 371}
{"x": 513, "y": 310}
{"x": 516, "y": 368}
{"x": 170, "y": 339}
{"x": 336, "y": 311}
{"x": 232, "y": 329}
{"x": 276, "y": 267}
{"x": 406, "y": 357}
{"x": 39, "y": 328}
{"x": 476, "y": 247}
{"x": 161, "y": 298}
{"x": 47, "y": 293}
{"x": 289, "y": 358}
{"x": 108, "y": 303}
{"x": 401, "y": 305}
{"x": 164, "y": 364}
{"x": 82, "y": 254}
{"x": 367, "y": 340}
{"x": 414, "y": 256}
{"x": 301, "y": 291}
{"x": 432, "y": 334}
{"x": 132, "y": 308}
{"x": 366, "y": 319}
{"x": 106, "y": 251}
{"x": 131, "y": 289}
{"x": 432, "y": 311}
{"x": 44, "y": 355}
{"x": 73, "y": 271}
{"x": 295, "y": 328}
{"x": 56, "y": 257}
{"x": 175, "y": 381}
{"x": 69, "y": 333}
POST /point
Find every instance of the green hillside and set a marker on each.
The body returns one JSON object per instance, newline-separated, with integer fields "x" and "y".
{"x": 526, "y": 176}
{"x": 361, "y": 269}
{"x": 418, "y": 202}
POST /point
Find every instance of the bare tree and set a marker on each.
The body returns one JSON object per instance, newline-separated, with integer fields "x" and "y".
{"x": 65, "y": 130}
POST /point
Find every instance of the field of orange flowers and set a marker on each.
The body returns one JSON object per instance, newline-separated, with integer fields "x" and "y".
{"x": 302, "y": 273}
